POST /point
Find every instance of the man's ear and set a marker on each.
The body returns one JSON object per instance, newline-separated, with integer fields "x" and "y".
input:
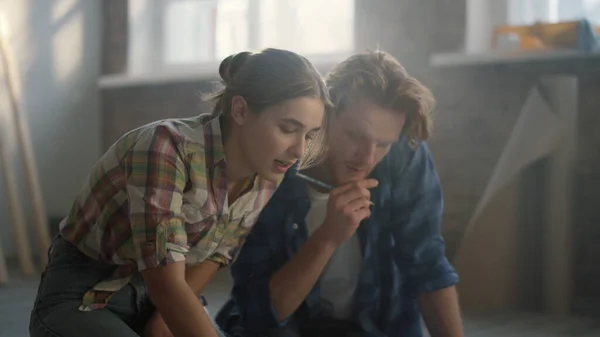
{"x": 239, "y": 110}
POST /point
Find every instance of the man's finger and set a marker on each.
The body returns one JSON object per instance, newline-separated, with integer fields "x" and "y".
{"x": 363, "y": 213}
{"x": 359, "y": 204}
{"x": 364, "y": 183}
{"x": 351, "y": 195}
{"x": 368, "y": 183}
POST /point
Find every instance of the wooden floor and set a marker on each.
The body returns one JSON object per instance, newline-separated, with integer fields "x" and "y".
{"x": 17, "y": 297}
{"x": 529, "y": 325}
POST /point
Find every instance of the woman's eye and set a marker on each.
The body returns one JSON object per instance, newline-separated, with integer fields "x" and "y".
{"x": 354, "y": 136}
{"x": 285, "y": 129}
{"x": 310, "y": 136}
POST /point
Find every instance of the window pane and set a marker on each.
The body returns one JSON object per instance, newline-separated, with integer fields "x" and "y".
{"x": 527, "y": 12}
{"x": 307, "y": 26}
{"x": 232, "y": 27}
{"x": 592, "y": 10}
{"x": 189, "y": 31}
{"x": 207, "y": 30}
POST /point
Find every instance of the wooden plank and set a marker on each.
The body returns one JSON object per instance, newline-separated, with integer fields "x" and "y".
{"x": 21, "y": 127}
{"x": 15, "y": 209}
{"x": 3, "y": 269}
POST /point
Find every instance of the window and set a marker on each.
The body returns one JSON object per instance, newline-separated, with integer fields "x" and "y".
{"x": 166, "y": 34}
{"x": 529, "y": 11}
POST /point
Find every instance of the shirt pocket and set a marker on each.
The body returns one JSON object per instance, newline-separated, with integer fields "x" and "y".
{"x": 238, "y": 232}
{"x": 232, "y": 243}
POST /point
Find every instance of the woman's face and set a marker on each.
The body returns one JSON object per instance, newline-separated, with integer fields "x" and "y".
{"x": 274, "y": 139}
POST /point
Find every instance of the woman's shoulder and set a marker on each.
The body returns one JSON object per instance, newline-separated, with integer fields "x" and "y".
{"x": 186, "y": 136}
{"x": 182, "y": 130}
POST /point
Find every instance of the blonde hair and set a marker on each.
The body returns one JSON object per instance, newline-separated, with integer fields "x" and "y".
{"x": 270, "y": 77}
{"x": 378, "y": 77}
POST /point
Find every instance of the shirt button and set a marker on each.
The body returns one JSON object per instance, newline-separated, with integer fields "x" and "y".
{"x": 295, "y": 226}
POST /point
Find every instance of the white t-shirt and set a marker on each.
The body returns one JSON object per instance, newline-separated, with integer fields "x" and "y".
{"x": 340, "y": 277}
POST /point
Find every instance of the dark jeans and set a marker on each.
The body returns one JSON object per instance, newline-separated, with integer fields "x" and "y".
{"x": 325, "y": 327}
{"x": 318, "y": 327}
{"x": 68, "y": 276}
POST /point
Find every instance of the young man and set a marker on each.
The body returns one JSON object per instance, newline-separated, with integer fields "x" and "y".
{"x": 365, "y": 258}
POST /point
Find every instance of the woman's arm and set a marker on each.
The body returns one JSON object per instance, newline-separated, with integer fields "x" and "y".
{"x": 156, "y": 179}
{"x": 197, "y": 277}
{"x": 200, "y": 275}
{"x": 176, "y": 302}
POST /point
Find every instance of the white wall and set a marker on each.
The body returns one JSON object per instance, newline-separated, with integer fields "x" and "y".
{"x": 56, "y": 45}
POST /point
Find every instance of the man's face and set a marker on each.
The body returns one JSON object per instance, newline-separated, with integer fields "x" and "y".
{"x": 361, "y": 136}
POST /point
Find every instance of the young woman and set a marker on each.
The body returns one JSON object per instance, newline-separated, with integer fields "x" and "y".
{"x": 172, "y": 201}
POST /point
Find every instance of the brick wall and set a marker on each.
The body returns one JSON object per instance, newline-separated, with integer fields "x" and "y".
{"x": 129, "y": 107}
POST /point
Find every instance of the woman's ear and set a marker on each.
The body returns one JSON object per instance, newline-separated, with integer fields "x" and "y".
{"x": 239, "y": 110}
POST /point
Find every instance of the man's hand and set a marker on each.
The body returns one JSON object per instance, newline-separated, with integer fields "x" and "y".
{"x": 156, "y": 327}
{"x": 348, "y": 205}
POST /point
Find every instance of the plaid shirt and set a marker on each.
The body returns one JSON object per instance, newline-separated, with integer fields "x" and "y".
{"x": 159, "y": 196}
{"x": 403, "y": 253}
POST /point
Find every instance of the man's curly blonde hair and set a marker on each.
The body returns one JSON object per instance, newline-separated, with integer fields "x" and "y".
{"x": 379, "y": 78}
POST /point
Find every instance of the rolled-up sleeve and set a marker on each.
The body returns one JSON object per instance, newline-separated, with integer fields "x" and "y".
{"x": 155, "y": 184}
{"x": 419, "y": 249}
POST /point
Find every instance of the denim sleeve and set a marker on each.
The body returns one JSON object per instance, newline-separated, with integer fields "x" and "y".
{"x": 419, "y": 249}
{"x": 251, "y": 272}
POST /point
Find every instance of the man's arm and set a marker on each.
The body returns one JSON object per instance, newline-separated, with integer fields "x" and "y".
{"x": 290, "y": 285}
{"x": 441, "y": 312}
{"x": 347, "y": 206}
{"x": 267, "y": 289}
{"x": 420, "y": 249}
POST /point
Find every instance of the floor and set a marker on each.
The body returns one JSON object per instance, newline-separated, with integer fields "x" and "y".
{"x": 17, "y": 297}
{"x": 529, "y": 325}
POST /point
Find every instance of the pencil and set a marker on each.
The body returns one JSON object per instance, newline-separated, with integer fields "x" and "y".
{"x": 314, "y": 181}
{"x": 319, "y": 183}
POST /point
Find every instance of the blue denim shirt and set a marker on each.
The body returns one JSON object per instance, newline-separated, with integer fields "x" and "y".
{"x": 402, "y": 248}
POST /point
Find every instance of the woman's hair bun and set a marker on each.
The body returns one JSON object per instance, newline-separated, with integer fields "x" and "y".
{"x": 231, "y": 64}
